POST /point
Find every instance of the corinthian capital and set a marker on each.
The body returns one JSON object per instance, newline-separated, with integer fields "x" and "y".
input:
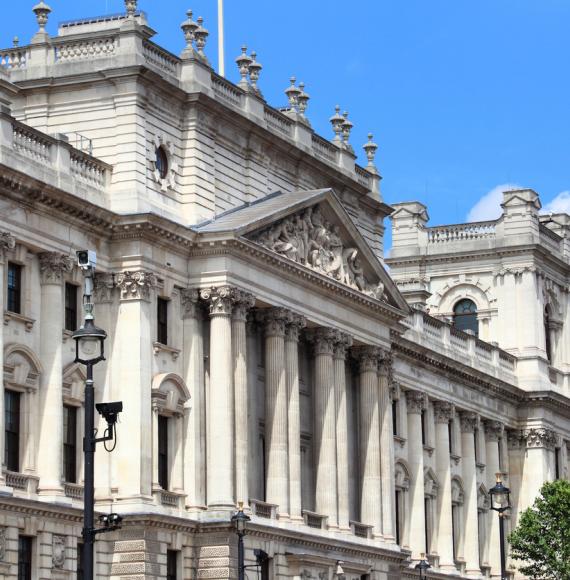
{"x": 294, "y": 327}
{"x": 189, "y": 299}
{"x": 135, "y": 285}
{"x": 493, "y": 429}
{"x": 415, "y": 402}
{"x": 53, "y": 266}
{"x": 469, "y": 421}
{"x": 243, "y": 303}
{"x": 443, "y": 411}
{"x": 539, "y": 437}
{"x": 7, "y": 242}
{"x": 323, "y": 340}
{"x": 367, "y": 357}
{"x": 385, "y": 363}
{"x": 219, "y": 300}
{"x": 342, "y": 344}
{"x": 275, "y": 320}
{"x": 103, "y": 285}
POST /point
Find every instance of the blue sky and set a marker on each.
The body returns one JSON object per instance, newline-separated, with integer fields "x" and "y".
{"x": 462, "y": 97}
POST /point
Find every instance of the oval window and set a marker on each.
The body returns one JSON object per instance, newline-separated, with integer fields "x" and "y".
{"x": 161, "y": 162}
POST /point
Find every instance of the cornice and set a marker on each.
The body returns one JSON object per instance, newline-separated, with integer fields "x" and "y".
{"x": 40, "y": 510}
{"x": 549, "y": 399}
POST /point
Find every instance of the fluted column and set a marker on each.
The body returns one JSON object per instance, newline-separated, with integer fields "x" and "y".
{"x": 415, "y": 405}
{"x": 325, "y": 435}
{"x": 53, "y": 266}
{"x": 243, "y": 302}
{"x": 370, "y": 506}
{"x": 195, "y": 424}
{"x": 277, "y": 462}
{"x": 493, "y": 433}
{"x": 387, "y": 449}
{"x": 7, "y": 242}
{"x": 293, "y": 412}
{"x": 443, "y": 413}
{"x": 342, "y": 343}
{"x": 220, "y": 407}
{"x": 469, "y": 423}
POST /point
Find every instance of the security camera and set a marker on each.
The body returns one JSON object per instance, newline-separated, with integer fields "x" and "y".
{"x": 109, "y": 411}
{"x": 86, "y": 259}
{"x": 112, "y": 521}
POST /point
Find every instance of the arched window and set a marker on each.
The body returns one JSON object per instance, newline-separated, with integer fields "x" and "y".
{"x": 161, "y": 162}
{"x": 465, "y": 316}
{"x": 547, "y": 341}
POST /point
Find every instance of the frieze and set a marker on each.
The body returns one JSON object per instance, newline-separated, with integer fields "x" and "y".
{"x": 135, "y": 285}
{"x": 53, "y": 266}
{"x": 309, "y": 239}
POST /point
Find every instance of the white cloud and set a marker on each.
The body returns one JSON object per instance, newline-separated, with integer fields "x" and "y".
{"x": 489, "y": 206}
{"x": 560, "y": 204}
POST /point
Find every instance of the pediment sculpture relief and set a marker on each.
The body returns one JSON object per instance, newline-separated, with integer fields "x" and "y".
{"x": 309, "y": 239}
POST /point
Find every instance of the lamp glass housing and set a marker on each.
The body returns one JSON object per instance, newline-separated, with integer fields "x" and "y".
{"x": 500, "y": 496}
{"x": 239, "y": 519}
{"x": 89, "y": 343}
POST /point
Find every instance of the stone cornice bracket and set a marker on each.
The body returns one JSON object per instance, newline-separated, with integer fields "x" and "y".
{"x": 103, "y": 285}
{"x": 367, "y": 357}
{"x": 443, "y": 411}
{"x": 219, "y": 300}
{"x": 189, "y": 299}
{"x": 294, "y": 327}
{"x": 416, "y": 402}
{"x": 53, "y": 266}
{"x": 469, "y": 421}
{"x": 135, "y": 285}
{"x": 343, "y": 342}
{"x": 493, "y": 430}
{"x": 539, "y": 438}
{"x": 7, "y": 242}
{"x": 275, "y": 320}
{"x": 323, "y": 340}
{"x": 243, "y": 303}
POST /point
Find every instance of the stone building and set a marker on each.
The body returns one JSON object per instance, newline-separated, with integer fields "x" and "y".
{"x": 262, "y": 352}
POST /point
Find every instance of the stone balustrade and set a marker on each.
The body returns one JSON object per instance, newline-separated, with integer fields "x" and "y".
{"x": 468, "y": 349}
{"x": 461, "y": 232}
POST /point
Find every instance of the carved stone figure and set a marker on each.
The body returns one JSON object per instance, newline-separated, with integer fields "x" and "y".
{"x": 58, "y": 551}
{"x": 308, "y": 238}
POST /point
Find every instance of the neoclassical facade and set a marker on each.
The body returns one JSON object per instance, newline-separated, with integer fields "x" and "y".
{"x": 262, "y": 352}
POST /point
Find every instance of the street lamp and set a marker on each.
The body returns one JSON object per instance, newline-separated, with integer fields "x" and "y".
{"x": 422, "y": 566}
{"x": 90, "y": 350}
{"x": 500, "y": 502}
{"x": 239, "y": 520}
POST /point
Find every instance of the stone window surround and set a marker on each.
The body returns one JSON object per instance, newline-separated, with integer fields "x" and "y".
{"x": 21, "y": 256}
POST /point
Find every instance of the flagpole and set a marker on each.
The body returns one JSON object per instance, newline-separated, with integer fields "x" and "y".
{"x": 221, "y": 67}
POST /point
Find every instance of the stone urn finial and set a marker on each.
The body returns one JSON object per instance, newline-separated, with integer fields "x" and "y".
{"x": 346, "y": 128}
{"x": 337, "y": 121}
{"x": 201, "y": 34}
{"x": 42, "y": 12}
{"x": 293, "y": 93}
{"x": 303, "y": 99}
{"x": 254, "y": 71}
{"x": 370, "y": 149}
{"x": 189, "y": 28}
{"x": 243, "y": 61}
{"x": 131, "y": 8}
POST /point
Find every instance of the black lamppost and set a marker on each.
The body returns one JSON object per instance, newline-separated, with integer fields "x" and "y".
{"x": 90, "y": 350}
{"x": 422, "y": 566}
{"x": 500, "y": 502}
{"x": 239, "y": 520}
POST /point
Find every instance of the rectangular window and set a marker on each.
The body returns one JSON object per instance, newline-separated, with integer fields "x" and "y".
{"x": 424, "y": 428}
{"x": 69, "y": 444}
{"x": 398, "y": 510}
{"x": 500, "y": 449}
{"x": 476, "y": 444}
{"x": 450, "y": 433}
{"x": 427, "y": 523}
{"x": 395, "y": 426}
{"x": 79, "y": 561}
{"x": 557, "y": 453}
{"x": 455, "y": 529}
{"x": 70, "y": 307}
{"x": 163, "y": 451}
{"x": 264, "y": 466}
{"x": 24, "y": 558}
{"x": 162, "y": 321}
{"x": 14, "y": 302}
{"x": 265, "y": 568}
{"x": 171, "y": 564}
{"x": 12, "y": 430}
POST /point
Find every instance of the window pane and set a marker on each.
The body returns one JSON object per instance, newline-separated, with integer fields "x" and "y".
{"x": 70, "y": 444}
{"x": 162, "y": 321}
{"x": 171, "y": 564}
{"x": 24, "y": 558}
{"x": 465, "y": 316}
{"x": 70, "y": 307}
{"x": 79, "y": 561}
{"x": 14, "y": 299}
{"x": 12, "y": 430}
{"x": 163, "y": 451}
{"x": 395, "y": 425}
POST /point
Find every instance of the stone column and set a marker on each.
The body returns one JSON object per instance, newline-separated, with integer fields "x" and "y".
{"x": 443, "y": 413}
{"x": 277, "y": 462}
{"x": 134, "y": 377}
{"x": 369, "y": 444}
{"x": 243, "y": 301}
{"x": 53, "y": 266}
{"x": 416, "y": 403}
{"x": 325, "y": 432}
{"x": 294, "y": 418}
{"x": 493, "y": 433}
{"x": 387, "y": 449}
{"x": 469, "y": 422}
{"x": 7, "y": 242}
{"x": 195, "y": 424}
{"x": 343, "y": 342}
{"x": 220, "y": 401}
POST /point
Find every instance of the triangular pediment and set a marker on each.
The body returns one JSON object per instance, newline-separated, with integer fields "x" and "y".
{"x": 313, "y": 229}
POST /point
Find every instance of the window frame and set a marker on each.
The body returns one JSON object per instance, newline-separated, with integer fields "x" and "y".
{"x": 172, "y": 559}
{"x": 163, "y": 476}
{"x": 14, "y": 291}
{"x": 25, "y": 566}
{"x": 13, "y": 436}
{"x": 71, "y": 311}
{"x": 70, "y": 446}
{"x": 466, "y": 316}
{"x": 162, "y": 320}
